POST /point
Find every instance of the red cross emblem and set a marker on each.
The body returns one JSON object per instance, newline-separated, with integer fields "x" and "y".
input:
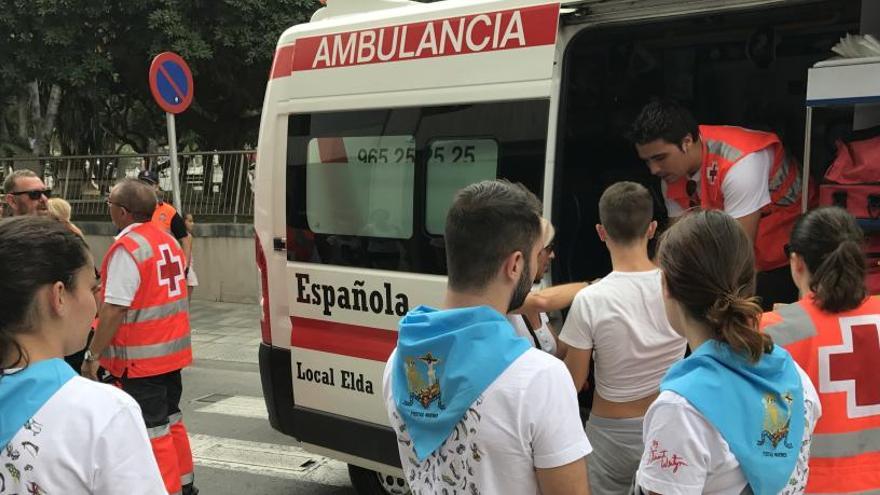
{"x": 850, "y": 366}
{"x": 712, "y": 173}
{"x": 170, "y": 270}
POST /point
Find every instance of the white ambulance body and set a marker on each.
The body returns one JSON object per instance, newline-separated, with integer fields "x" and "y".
{"x": 377, "y": 111}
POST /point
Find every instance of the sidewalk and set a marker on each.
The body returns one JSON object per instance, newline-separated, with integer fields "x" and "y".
{"x": 225, "y": 331}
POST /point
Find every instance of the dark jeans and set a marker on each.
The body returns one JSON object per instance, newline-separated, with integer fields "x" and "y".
{"x": 158, "y": 396}
{"x": 776, "y": 286}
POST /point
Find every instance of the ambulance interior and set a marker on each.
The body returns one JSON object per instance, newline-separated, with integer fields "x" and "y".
{"x": 745, "y": 68}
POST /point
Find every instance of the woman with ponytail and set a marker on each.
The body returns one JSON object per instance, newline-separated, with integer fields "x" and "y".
{"x": 737, "y": 415}
{"x": 833, "y": 332}
{"x": 59, "y": 432}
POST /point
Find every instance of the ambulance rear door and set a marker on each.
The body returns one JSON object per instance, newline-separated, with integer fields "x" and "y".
{"x": 372, "y": 122}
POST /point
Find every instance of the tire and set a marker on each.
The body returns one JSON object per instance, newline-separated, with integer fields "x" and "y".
{"x": 367, "y": 482}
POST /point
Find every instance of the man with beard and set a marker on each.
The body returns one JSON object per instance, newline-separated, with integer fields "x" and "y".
{"x": 474, "y": 406}
{"x": 26, "y": 194}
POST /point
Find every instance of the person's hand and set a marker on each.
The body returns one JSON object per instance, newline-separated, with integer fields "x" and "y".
{"x": 90, "y": 369}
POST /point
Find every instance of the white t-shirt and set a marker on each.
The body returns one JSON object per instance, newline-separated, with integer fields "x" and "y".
{"x": 546, "y": 342}
{"x": 623, "y": 319}
{"x": 527, "y": 418}
{"x": 123, "y": 276}
{"x": 685, "y": 454}
{"x": 88, "y": 438}
{"x": 745, "y": 187}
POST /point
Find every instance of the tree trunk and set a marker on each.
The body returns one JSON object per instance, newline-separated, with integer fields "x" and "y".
{"x": 43, "y": 124}
{"x": 21, "y": 105}
{"x": 36, "y": 118}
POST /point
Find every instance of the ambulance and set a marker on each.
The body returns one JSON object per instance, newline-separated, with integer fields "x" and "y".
{"x": 377, "y": 111}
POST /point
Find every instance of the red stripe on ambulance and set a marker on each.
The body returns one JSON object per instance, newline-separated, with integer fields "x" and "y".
{"x": 342, "y": 339}
{"x": 478, "y": 33}
{"x": 282, "y": 66}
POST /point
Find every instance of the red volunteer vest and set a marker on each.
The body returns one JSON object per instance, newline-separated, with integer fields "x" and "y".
{"x": 154, "y": 337}
{"x": 840, "y": 353}
{"x": 163, "y": 214}
{"x": 723, "y": 147}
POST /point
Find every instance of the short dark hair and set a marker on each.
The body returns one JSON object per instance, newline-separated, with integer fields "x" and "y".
{"x": 9, "y": 182}
{"x": 138, "y": 197}
{"x": 830, "y": 242}
{"x": 36, "y": 251}
{"x": 487, "y": 222}
{"x": 663, "y": 119}
{"x": 625, "y": 211}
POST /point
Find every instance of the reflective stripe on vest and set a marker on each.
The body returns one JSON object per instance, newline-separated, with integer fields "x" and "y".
{"x": 724, "y": 150}
{"x": 147, "y": 351}
{"x": 144, "y": 251}
{"x": 795, "y": 326}
{"x": 845, "y": 444}
{"x": 156, "y": 312}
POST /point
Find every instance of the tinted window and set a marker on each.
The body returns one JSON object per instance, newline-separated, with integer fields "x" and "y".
{"x": 371, "y": 188}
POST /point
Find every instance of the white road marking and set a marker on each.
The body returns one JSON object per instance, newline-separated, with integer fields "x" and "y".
{"x": 238, "y": 405}
{"x": 268, "y": 459}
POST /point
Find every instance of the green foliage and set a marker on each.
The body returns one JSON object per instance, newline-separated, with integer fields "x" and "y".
{"x": 99, "y": 52}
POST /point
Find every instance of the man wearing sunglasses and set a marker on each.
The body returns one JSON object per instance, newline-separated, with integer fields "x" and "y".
{"x": 26, "y": 194}
{"x": 743, "y": 172}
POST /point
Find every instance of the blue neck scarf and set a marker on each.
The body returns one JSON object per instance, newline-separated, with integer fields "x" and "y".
{"x": 24, "y": 392}
{"x": 757, "y": 408}
{"x": 444, "y": 361}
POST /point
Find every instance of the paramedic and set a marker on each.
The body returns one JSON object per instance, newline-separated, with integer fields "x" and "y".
{"x": 832, "y": 332}
{"x": 59, "y": 432}
{"x": 535, "y": 325}
{"x": 166, "y": 216}
{"x": 743, "y": 172}
{"x": 476, "y": 407}
{"x": 621, "y": 322}
{"x": 143, "y": 334}
{"x": 26, "y": 194}
{"x": 752, "y": 433}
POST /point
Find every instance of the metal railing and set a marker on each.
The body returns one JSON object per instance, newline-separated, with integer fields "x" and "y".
{"x": 215, "y": 186}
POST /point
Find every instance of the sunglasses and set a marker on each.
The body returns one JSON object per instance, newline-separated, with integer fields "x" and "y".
{"x": 34, "y": 195}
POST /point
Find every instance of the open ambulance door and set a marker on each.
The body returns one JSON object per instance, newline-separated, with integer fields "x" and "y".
{"x": 376, "y": 114}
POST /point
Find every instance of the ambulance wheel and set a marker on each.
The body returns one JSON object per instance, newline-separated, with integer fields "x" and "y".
{"x": 367, "y": 482}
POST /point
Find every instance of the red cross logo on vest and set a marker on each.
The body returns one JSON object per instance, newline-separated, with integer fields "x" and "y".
{"x": 850, "y": 367}
{"x": 712, "y": 173}
{"x": 171, "y": 272}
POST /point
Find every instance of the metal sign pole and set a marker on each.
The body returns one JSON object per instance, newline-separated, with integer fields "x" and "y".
{"x": 172, "y": 152}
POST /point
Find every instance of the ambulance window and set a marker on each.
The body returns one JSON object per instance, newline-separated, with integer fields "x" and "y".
{"x": 452, "y": 165}
{"x": 371, "y": 188}
{"x": 361, "y": 186}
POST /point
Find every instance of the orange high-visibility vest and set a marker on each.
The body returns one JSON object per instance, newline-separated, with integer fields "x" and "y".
{"x": 163, "y": 214}
{"x": 154, "y": 337}
{"x": 840, "y": 352}
{"x": 723, "y": 147}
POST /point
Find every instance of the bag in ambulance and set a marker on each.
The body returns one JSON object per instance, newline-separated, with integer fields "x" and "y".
{"x": 377, "y": 111}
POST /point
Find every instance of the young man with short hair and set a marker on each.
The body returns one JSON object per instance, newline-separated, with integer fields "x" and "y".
{"x": 475, "y": 407}
{"x": 620, "y": 321}
{"x": 743, "y": 172}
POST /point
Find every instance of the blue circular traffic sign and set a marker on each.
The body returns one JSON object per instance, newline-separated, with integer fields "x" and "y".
{"x": 171, "y": 82}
